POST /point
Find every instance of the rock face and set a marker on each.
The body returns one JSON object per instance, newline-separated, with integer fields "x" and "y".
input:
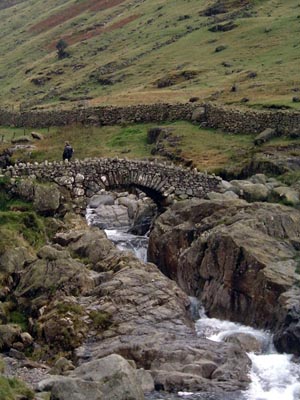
{"x": 239, "y": 258}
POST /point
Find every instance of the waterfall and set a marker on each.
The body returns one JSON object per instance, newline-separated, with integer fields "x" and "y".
{"x": 273, "y": 376}
{"x": 126, "y": 241}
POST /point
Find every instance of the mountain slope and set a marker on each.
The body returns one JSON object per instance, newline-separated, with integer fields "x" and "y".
{"x": 133, "y": 51}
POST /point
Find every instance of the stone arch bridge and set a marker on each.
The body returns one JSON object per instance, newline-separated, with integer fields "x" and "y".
{"x": 84, "y": 178}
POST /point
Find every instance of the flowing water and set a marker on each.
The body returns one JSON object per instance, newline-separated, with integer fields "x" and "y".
{"x": 274, "y": 376}
{"x": 127, "y": 241}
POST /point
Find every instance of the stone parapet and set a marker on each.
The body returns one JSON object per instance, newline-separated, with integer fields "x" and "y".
{"x": 85, "y": 178}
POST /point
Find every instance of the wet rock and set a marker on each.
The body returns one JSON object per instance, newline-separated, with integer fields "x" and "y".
{"x": 101, "y": 199}
{"x": 241, "y": 255}
{"x": 248, "y": 342}
{"x": 112, "y": 216}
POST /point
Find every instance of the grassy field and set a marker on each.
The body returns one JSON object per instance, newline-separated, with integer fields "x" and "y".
{"x": 209, "y": 149}
{"x": 120, "y": 51}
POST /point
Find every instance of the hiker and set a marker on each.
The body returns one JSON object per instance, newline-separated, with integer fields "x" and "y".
{"x": 68, "y": 152}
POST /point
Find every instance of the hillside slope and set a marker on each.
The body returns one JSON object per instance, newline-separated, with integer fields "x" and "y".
{"x": 133, "y": 51}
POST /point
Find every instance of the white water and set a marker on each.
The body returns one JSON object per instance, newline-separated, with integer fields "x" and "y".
{"x": 123, "y": 240}
{"x": 126, "y": 241}
{"x": 274, "y": 376}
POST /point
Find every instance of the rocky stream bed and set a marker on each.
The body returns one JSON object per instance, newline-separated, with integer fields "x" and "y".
{"x": 102, "y": 324}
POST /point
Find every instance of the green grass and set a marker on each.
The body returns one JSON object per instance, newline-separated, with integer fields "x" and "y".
{"x": 16, "y": 317}
{"x": 290, "y": 178}
{"x": 16, "y": 225}
{"x": 210, "y": 150}
{"x": 154, "y": 44}
{"x": 101, "y": 319}
{"x": 12, "y": 389}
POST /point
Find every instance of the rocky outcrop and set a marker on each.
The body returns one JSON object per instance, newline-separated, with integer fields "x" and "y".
{"x": 86, "y": 300}
{"x": 240, "y": 259}
{"x": 259, "y": 187}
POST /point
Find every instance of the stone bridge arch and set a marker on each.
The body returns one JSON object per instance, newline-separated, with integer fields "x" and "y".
{"x": 84, "y": 178}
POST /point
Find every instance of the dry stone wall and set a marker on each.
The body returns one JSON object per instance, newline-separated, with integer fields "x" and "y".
{"x": 98, "y": 116}
{"x": 85, "y": 178}
{"x": 235, "y": 120}
{"x": 228, "y": 119}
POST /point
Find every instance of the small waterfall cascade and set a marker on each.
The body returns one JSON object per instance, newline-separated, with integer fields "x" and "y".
{"x": 274, "y": 376}
{"x": 129, "y": 242}
{"x": 124, "y": 240}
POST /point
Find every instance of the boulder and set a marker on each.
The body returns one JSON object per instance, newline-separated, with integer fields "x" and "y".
{"x": 198, "y": 114}
{"x": 117, "y": 378}
{"x": 259, "y": 178}
{"x": 145, "y": 213}
{"x": 61, "y": 367}
{"x": 21, "y": 140}
{"x": 153, "y": 134}
{"x": 111, "y": 377}
{"x": 131, "y": 204}
{"x": 113, "y": 216}
{"x": 287, "y": 195}
{"x": 228, "y": 195}
{"x": 25, "y": 189}
{"x": 37, "y": 135}
{"x": 66, "y": 388}
{"x": 13, "y": 260}
{"x": 46, "y": 199}
{"x": 91, "y": 244}
{"x": 265, "y": 136}
{"x": 101, "y": 199}
{"x": 248, "y": 342}
{"x": 150, "y": 324}
{"x": 251, "y": 191}
{"x": 55, "y": 270}
{"x": 239, "y": 258}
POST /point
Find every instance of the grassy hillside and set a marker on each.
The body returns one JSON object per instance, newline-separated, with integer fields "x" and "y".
{"x": 134, "y": 51}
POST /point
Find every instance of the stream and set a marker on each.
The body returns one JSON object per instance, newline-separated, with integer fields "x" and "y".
{"x": 273, "y": 376}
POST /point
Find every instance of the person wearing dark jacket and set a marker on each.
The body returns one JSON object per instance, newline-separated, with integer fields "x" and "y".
{"x": 68, "y": 152}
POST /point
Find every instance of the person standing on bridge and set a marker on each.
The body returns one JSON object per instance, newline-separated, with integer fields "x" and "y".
{"x": 68, "y": 152}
